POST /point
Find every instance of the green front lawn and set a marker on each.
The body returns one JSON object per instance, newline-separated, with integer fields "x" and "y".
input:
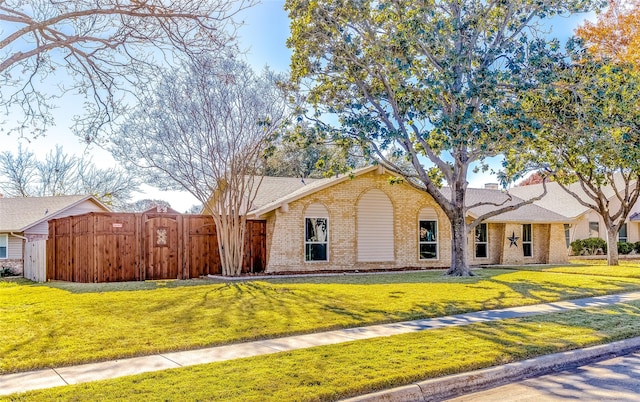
{"x": 338, "y": 371}
{"x": 626, "y": 269}
{"x": 55, "y": 324}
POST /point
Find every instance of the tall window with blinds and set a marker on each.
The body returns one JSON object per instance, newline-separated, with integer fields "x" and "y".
{"x": 527, "y": 240}
{"x": 622, "y": 233}
{"x": 4, "y": 245}
{"x": 481, "y": 241}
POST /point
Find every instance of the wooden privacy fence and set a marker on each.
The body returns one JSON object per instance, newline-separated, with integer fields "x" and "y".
{"x": 114, "y": 247}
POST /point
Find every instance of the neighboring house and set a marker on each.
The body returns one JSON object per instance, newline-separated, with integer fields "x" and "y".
{"x": 24, "y": 224}
{"x": 360, "y": 221}
{"x": 585, "y": 222}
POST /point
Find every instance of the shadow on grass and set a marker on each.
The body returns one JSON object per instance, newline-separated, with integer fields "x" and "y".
{"x": 573, "y": 329}
{"x": 429, "y": 276}
{"x": 79, "y": 288}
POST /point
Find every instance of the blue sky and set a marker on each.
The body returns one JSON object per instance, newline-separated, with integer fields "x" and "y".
{"x": 263, "y": 36}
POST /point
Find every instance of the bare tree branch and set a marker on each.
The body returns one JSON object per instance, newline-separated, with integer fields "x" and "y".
{"x": 98, "y": 49}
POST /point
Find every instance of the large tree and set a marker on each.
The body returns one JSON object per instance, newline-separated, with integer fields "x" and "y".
{"x": 59, "y": 173}
{"x": 204, "y": 128}
{"x": 97, "y": 49}
{"x": 616, "y": 32}
{"x": 589, "y": 134}
{"x": 429, "y": 81}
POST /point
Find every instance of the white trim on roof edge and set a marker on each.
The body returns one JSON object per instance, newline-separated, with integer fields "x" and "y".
{"x": 309, "y": 189}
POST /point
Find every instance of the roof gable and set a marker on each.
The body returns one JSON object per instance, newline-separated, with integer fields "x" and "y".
{"x": 21, "y": 213}
{"x": 306, "y": 188}
{"x": 274, "y": 188}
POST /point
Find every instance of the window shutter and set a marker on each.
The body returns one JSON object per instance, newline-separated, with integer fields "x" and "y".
{"x": 375, "y": 227}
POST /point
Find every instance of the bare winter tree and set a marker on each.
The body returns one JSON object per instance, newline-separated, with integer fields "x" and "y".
{"x": 143, "y": 205}
{"x": 17, "y": 173}
{"x": 57, "y": 173}
{"x": 23, "y": 175}
{"x": 97, "y": 49}
{"x": 204, "y": 128}
{"x": 113, "y": 186}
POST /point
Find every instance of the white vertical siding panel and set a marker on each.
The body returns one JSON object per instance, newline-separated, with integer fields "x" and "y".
{"x": 375, "y": 227}
{"x": 14, "y": 251}
{"x": 43, "y": 227}
{"x": 83, "y": 208}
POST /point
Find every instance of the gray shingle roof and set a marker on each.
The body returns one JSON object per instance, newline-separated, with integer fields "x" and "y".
{"x": 18, "y": 214}
{"x": 556, "y": 200}
{"x": 274, "y": 188}
{"x": 494, "y": 199}
{"x": 270, "y": 198}
{"x": 560, "y": 201}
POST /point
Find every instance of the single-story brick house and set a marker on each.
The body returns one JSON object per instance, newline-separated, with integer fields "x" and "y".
{"x": 585, "y": 222}
{"x": 24, "y": 225}
{"x": 360, "y": 221}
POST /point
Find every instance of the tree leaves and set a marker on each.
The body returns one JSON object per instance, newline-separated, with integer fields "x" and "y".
{"x": 437, "y": 80}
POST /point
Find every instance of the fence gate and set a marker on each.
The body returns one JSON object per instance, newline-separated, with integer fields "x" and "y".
{"x": 162, "y": 246}
{"x": 35, "y": 260}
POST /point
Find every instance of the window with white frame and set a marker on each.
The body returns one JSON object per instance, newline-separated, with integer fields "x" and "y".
{"x": 481, "y": 241}
{"x": 594, "y": 229}
{"x": 622, "y": 233}
{"x": 316, "y": 239}
{"x": 527, "y": 240}
{"x": 4, "y": 245}
{"x": 316, "y": 233}
{"x": 428, "y": 239}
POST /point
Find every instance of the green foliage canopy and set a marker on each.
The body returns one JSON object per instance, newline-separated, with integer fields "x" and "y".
{"x": 589, "y": 121}
{"x": 589, "y": 133}
{"x": 431, "y": 82}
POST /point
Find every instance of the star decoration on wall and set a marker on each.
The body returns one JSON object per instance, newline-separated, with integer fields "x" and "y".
{"x": 513, "y": 239}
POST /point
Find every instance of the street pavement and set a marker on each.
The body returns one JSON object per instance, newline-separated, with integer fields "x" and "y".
{"x": 615, "y": 379}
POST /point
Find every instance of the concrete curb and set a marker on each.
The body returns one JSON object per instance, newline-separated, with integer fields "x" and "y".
{"x": 438, "y": 389}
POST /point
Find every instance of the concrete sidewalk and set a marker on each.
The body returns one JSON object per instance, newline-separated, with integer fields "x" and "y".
{"x": 25, "y": 381}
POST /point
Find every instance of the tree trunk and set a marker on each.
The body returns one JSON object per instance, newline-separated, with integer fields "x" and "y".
{"x": 612, "y": 247}
{"x": 230, "y": 232}
{"x": 459, "y": 255}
